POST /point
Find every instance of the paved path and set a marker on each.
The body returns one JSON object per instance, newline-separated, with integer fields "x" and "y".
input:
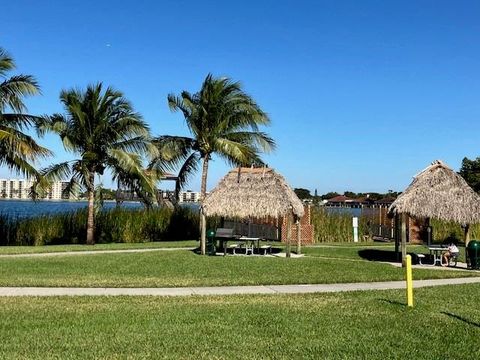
{"x": 90, "y": 252}
{"x": 228, "y": 290}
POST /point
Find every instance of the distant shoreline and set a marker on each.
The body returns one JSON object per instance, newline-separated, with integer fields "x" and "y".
{"x": 65, "y": 200}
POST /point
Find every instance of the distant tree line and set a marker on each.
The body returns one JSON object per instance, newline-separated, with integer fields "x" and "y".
{"x": 470, "y": 171}
{"x": 304, "y": 194}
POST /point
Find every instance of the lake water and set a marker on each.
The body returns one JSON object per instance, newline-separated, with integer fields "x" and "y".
{"x": 27, "y": 208}
{"x": 345, "y": 210}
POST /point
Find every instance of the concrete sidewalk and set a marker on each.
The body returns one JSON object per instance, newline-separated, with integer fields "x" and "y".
{"x": 228, "y": 290}
{"x": 92, "y": 252}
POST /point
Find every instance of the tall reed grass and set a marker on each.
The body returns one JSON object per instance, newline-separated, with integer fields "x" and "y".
{"x": 160, "y": 224}
{"x": 443, "y": 231}
{"x": 335, "y": 227}
{"x": 116, "y": 225}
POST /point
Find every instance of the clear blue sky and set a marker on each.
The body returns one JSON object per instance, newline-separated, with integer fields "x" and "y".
{"x": 362, "y": 94}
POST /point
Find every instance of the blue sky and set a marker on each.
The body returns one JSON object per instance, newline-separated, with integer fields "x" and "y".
{"x": 362, "y": 94}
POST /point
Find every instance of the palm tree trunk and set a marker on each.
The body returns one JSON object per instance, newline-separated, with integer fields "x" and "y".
{"x": 118, "y": 194}
{"x": 203, "y": 192}
{"x": 91, "y": 210}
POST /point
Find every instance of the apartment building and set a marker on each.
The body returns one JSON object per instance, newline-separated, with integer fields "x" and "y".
{"x": 20, "y": 189}
{"x": 189, "y": 196}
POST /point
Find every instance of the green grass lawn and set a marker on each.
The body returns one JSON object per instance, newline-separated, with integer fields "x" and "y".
{"x": 10, "y": 250}
{"x": 444, "y": 324}
{"x": 185, "y": 268}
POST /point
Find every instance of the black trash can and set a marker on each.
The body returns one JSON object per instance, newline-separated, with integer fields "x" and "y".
{"x": 473, "y": 250}
{"x": 211, "y": 245}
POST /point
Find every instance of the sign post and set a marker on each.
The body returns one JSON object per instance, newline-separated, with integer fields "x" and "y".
{"x": 355, "y": 229}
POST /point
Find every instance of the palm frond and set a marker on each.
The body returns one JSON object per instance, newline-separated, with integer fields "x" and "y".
{"x": 57, "y": 172}
{"x": 14, "y": 89}
{"x": 236, "y": 153}
{"x": 18, "y": 164}
{"x": 256, "y": 139}
{"x": 188, "y": 169}
{"x": 6, "y": 62}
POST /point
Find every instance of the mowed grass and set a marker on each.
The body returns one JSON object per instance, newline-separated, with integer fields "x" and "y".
{"x": 444, "y": 324}
{"x": 13, "y": 250}
{"x": 179, "y": 268}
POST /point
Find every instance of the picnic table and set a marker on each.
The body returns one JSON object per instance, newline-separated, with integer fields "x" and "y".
{"x": 437, "y": 252}
{"x": 250, "y": 244}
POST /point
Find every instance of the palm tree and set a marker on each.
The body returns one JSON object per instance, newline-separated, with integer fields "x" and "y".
{"x": 103, "y": 129}
{"x": 18, "y": 151}
{"x": 223, "y": 120}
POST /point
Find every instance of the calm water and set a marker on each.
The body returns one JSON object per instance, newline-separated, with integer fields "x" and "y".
{"x": 344, "y": 210}
{"x": 27, "y": 208}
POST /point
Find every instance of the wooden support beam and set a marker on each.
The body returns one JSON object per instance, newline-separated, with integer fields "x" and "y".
{"x": 466, "y": 235}
{"x": 299, "y": 237}
{"x": 289, "y": 235}
{"x": 404, "y": 238}
{"x": 397, "y": 236}
{"x": 466, "y": 240}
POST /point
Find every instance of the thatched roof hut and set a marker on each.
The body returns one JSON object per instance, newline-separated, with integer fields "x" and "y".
{"x": 252, "y": 192}
{"x": 439, "y": 192}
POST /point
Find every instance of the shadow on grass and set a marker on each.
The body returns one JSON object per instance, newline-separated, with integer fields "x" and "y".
{"x": 378, "y": 255}
{"x": 240, "y": 251}
{"x": 472, "y": 323}
{"x": 387, "y": 256}
{"x": 393, "y": 302}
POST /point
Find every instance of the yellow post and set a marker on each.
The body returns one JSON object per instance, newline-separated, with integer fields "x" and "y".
{"x": 408, "y": 260}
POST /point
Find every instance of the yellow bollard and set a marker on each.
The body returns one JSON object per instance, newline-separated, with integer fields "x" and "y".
{"x": 408, "y": 269}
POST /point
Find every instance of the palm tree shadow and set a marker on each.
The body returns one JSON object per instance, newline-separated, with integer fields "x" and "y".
{"x": 469, "y": 322}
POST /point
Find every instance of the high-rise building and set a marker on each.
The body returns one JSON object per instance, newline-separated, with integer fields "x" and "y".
{"x": 21, "y": 188}
{"x": 189, "y": 196}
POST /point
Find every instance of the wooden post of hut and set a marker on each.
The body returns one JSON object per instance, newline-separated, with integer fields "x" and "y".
{"x": 299, "y": 237}
{"x": 466, "y": 235}
{"x": 380, "y": 221}
{"x": 397, "y": 236}
{"x": 466, "y": 240}
{"x": 404, "y": 238}
{"x": 289, "y": 235}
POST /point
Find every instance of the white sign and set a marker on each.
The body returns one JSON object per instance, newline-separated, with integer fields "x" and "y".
{"x": 355, "y": 222}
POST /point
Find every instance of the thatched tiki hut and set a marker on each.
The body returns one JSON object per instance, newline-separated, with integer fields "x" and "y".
{"x": 440, "y": 193}
{"x": 253, "y": 193}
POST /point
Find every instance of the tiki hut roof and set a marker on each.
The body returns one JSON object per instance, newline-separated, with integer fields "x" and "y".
{"x": 439, "y": 192}
{"x": 249, "y": 192}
